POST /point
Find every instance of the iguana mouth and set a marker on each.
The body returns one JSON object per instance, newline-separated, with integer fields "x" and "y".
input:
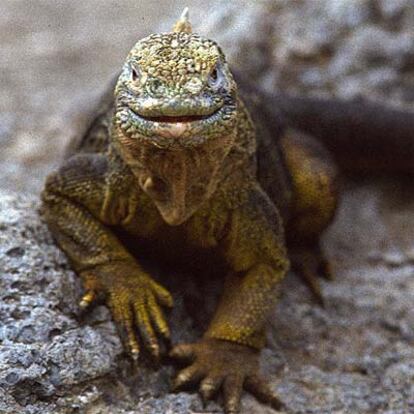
{"x": 177, "y": 119}
{"x": 164, "y": 129}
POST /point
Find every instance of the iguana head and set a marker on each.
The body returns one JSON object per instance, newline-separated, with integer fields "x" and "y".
{"x": 176, "y": 110}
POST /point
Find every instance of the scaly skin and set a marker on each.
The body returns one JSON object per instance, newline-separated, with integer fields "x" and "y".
{"x": 173, "y": 160}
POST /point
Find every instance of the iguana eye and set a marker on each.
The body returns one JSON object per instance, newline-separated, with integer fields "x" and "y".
{"x": 215, "y": 78}
{"x": 135, "y": 74}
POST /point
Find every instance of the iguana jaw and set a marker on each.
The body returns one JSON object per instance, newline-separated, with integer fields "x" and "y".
{"x": 175, "y": 131}
{"x": 175, "y": 126}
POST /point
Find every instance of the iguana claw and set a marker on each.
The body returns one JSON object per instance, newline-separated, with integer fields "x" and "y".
{"x": 135, "y": 301}
{"x": 217, "y": 365}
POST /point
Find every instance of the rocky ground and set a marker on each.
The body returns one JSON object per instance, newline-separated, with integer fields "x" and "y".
{"x": 355, "y": 356}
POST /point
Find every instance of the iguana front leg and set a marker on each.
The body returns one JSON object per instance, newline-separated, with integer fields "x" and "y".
{"x": 79, "y": 204}
{"x": 228, "y": 354}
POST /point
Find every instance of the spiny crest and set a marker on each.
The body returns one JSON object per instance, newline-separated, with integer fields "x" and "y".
{"x": 183, "y": 24}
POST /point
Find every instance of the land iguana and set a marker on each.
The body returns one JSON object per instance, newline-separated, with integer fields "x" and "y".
{"x": 185, "y": 155}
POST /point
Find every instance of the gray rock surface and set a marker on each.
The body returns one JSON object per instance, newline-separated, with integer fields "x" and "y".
{"x": 355, "y": 356}
{"x": 346, "y": 48}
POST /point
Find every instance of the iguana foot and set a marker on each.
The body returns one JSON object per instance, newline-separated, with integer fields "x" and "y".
{"x": 310, "y": 264}
{"x": 219, "y": 365}
{"x": 135, "y": 301}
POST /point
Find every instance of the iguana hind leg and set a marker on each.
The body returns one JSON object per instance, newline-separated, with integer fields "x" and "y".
{"x": 315, "y": 197}
{"x": 309, "y": 263}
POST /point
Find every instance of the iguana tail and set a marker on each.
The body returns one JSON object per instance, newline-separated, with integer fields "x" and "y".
{"x": 362, "y": 135}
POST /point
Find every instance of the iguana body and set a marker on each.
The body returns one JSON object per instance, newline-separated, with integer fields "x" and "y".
{"x": 177, "y": 161}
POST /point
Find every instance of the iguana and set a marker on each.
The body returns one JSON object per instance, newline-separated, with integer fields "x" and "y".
{"x": 182, "y": 156}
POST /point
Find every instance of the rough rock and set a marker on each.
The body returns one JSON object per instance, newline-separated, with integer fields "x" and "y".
{"x": 52, "y": 358}
{"x": 355, "y": 356}
{"x": 342, "y": 48}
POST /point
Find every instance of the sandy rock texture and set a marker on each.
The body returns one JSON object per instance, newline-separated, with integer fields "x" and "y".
{"x": 354, "y": 357}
